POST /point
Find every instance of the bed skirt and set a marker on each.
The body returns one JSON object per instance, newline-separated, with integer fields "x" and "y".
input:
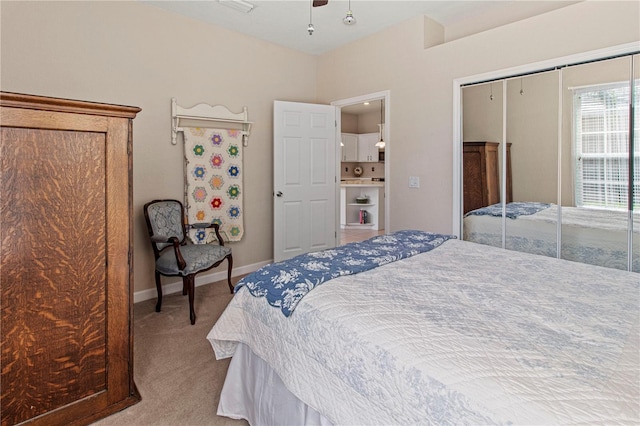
{"x": 254, "y": 392}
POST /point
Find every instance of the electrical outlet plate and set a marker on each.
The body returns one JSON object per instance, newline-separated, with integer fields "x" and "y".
{"x": 414, "y": 182}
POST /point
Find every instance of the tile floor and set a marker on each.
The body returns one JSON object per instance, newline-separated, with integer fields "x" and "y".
{"x": 352, "y": 235}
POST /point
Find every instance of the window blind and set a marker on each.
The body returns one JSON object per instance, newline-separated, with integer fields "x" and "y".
{"x": 601, "y": 147}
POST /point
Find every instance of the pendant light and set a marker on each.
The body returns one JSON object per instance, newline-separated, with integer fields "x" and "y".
{"x": 349, "y": 19}
{"x": 381, "y": 143}
{"x": 310, "y": 28}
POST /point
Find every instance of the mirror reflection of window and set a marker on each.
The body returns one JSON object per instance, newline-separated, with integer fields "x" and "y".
{"x": 595, "y": 213}
{"x": 601, "y": 138}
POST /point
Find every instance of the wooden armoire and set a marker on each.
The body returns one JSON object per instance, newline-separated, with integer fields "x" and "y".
{"x": 66, "y": 266}
{"x": 481, "y": 175}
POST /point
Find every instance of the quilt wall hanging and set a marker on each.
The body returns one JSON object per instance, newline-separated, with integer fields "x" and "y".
{"x": 213, "y": 182}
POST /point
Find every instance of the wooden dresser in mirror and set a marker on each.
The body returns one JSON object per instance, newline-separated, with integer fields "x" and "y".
{"x": 481, "y": 174}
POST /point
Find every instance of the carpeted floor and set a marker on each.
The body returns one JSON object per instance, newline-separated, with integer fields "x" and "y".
{"x": 175, "y": 368}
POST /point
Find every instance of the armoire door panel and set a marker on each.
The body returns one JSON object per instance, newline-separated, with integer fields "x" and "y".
{"x": 54, "y": 196}
{"x": 65, "y": 268}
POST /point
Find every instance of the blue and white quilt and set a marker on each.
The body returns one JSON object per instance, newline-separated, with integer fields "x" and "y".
{"x": 285, "y": 283}
{"x": 513, "y": 210}
{"x": 465, "y": 334}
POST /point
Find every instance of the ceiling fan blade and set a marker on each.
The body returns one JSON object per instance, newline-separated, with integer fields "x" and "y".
{"x": 317, "y": 3}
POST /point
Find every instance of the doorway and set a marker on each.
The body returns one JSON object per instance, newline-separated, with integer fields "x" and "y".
{"x": 373, "y": 164}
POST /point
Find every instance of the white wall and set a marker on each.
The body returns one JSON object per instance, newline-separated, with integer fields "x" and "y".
{"x": 135, "y": 54}
{"x": 420, "y": 84}
{"x": 368, "y": 122}
{"x": 349, "y": 123}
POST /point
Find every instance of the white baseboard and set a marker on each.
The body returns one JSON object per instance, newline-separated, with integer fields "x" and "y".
{"x": 150, "y": 293}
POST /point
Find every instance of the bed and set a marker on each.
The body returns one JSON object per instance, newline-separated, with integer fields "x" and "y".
{"x": 458, "y": 334}
{"x": 593, "y": 236}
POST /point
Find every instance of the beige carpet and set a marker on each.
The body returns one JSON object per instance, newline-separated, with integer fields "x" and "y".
{"x": 175, "y": 368}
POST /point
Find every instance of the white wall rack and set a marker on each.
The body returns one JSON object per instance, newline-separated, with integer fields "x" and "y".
{"x": 211, "y": 113}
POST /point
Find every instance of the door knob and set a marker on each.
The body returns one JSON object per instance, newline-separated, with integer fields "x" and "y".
{"x": 279, "y": 194}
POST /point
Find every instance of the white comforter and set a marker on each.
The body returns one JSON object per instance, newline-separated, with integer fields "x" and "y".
{"x": 464, "y": 334}
{"x": 596, "y": 237}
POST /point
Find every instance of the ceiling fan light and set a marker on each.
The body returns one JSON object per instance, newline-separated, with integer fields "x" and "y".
{"x": 349, "y": 19}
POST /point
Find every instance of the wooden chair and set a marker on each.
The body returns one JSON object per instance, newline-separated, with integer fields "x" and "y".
{"x": 168, "y": 230}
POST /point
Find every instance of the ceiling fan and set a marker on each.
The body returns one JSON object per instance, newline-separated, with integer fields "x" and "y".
{"x": 348, "y": 20}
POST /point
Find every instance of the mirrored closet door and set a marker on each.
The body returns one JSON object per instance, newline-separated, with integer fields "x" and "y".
{"x": 532, "y": 132}
{"x": 482, "y": 162}
{"x": 568, "y": 163}
{"x": 635, "y": 177}
{"x": 596, "y": 162}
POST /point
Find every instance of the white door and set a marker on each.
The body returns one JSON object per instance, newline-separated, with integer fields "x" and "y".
{"x": 305, "y": 178}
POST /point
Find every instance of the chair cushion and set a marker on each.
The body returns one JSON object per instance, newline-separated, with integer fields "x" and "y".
{"x": 197, "y": 256}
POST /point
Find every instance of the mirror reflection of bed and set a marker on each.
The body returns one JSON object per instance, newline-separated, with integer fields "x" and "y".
{"x": 568, "y": 145}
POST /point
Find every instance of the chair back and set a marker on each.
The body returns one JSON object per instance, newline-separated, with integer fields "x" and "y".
{"x": 164, "y": 218}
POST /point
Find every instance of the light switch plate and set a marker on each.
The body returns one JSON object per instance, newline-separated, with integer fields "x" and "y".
{"x": 414, "y": 182}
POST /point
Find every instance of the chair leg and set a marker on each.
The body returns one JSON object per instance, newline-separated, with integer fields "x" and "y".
{"x": 189, "y": 282}
{"x": 185, "y": 289}
{"x": 230, "y": 260}
{"x": 159, "y": 288}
